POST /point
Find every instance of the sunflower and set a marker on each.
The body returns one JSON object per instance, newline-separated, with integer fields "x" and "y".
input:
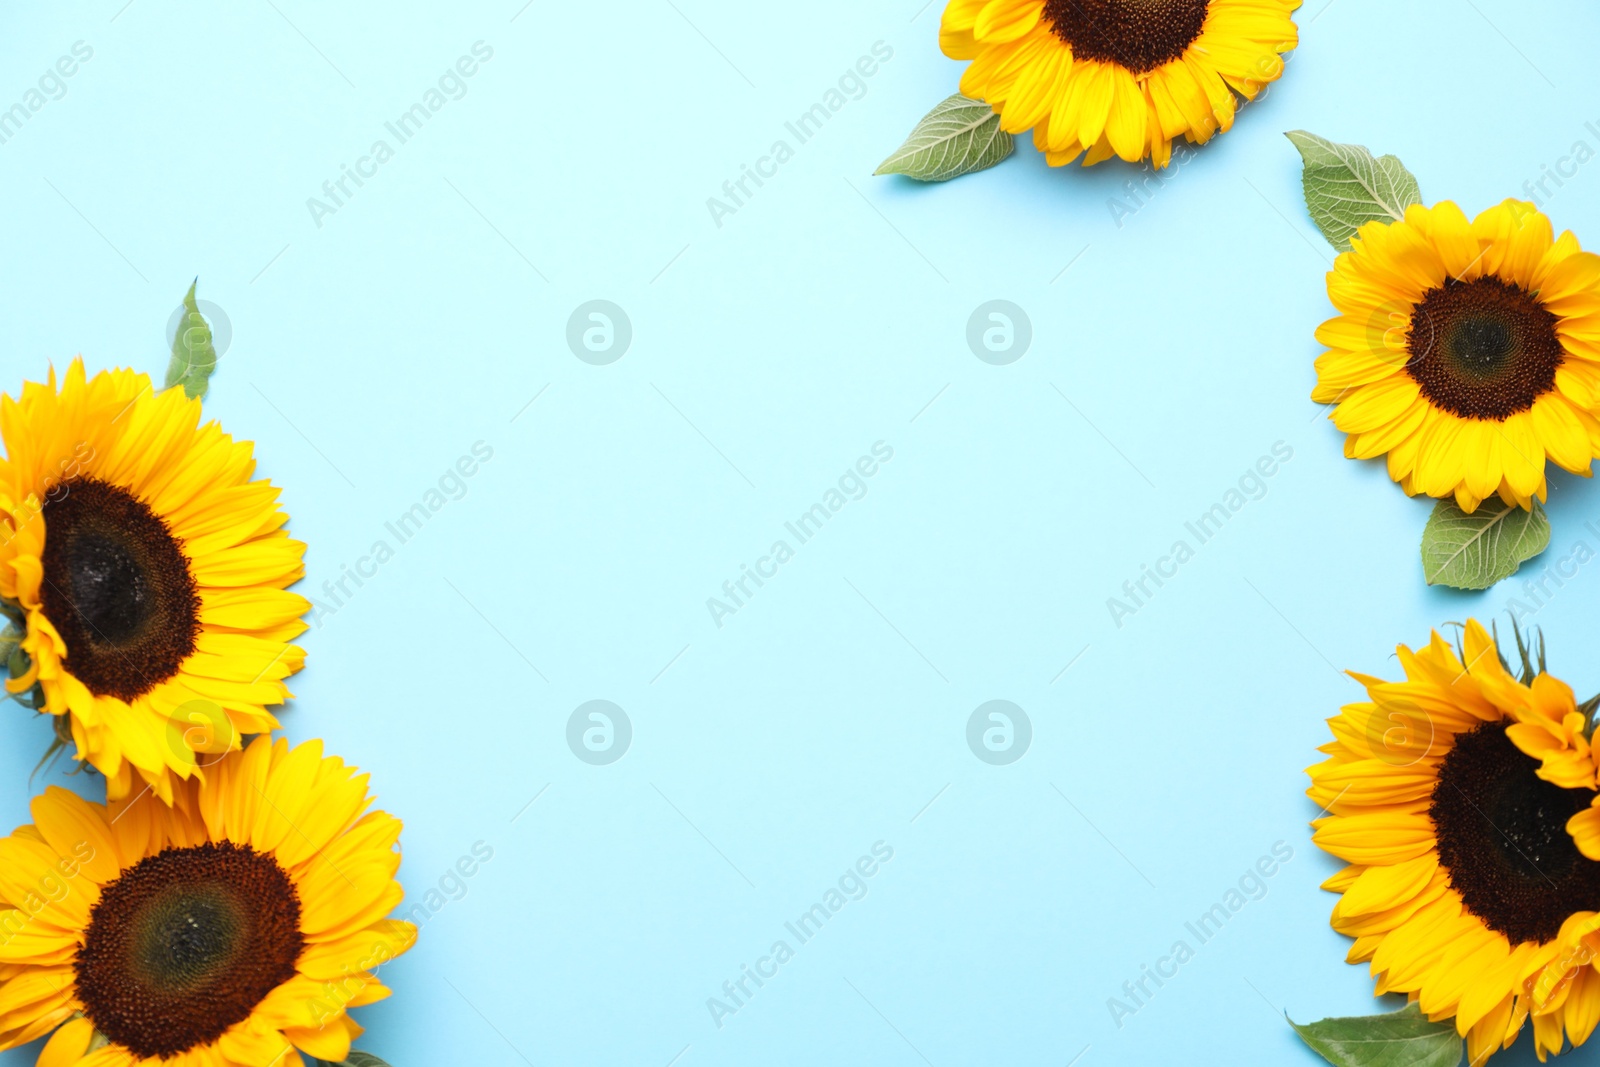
{"x": 232, "y": 929}
{"x": 148, "y": 573}
{"x": 1461, "y": 800}
{"x": 1469, "y": 353}
{"x": 1119, "y": 77}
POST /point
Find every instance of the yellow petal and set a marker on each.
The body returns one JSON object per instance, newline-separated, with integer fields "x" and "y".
{"x": 67, "y": 1046}
{"x": 1099, "y": 91}
{"x": 77, "y": 831}
{"x": 1004, "y": 20}
{"x": 1125, "y": 124}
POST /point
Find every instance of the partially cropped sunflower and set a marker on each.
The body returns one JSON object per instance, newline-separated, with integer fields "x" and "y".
{"x": 232, "y": 929}
{"x": 1461, "y": 800}
{"x": 1469, "y": 353}
{"x": 149, "y": 572}
{"x": 1117, "y": 77}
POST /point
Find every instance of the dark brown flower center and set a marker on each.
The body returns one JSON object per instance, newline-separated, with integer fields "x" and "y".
{"x": 117, "y": 588}
{"x": 1137, "y": 35}
{"x": 1484, "y": 349}
{"x": 185, "y": 944}
{"x": 1503, "y": 840}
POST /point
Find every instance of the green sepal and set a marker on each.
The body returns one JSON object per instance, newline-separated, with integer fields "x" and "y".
{"x": 1587, "y": 708}
{"x": 17, "y": 661}
{"x": 63, "y": 738}
{"x": 1530, "y": 651}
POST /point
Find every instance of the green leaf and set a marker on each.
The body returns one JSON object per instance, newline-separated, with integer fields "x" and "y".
{"x": 1345, "y": 186}
{"x": 960, "y": 135}
{"x": 194, "y": 356}
{"x": 357, "y": 1059}
{"x": 1401, "y": 1039}
{"x": 1475, "y": 551}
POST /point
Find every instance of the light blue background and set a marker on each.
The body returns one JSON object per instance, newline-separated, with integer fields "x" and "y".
{"x": 769, "y": 353}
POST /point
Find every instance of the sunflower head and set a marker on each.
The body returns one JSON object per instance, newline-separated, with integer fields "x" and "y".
{"x": 146, "y": 572}
{"x": 1097, "y": 78}
{"x": 236, "y": 926}
{"x": 1461, "y": 799}
{"x": 1466, "y": 352}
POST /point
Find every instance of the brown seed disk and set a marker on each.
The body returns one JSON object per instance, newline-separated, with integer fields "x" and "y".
{"x": 185, "y": 944}
{"x": 1138, "y": 35}
{"x": 1484, "y": 349}
{"x": 117, "y": 588}
{"x": 1503, "y": 840}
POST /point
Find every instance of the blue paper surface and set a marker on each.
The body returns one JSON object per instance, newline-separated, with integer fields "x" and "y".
{"x": 783, "y": 737}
